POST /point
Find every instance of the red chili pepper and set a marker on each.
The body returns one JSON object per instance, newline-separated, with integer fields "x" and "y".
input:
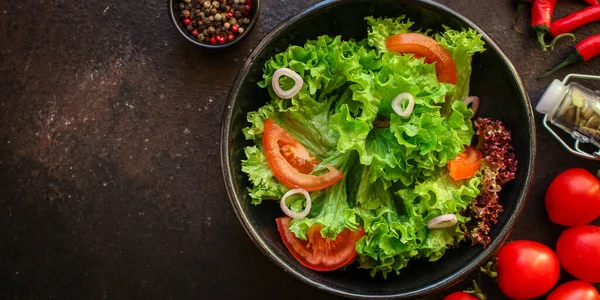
{"x": 584, "y": 51}
{"x": 575, "y": 20}
{"x": 592, "y": 2}
{"x": 541, "y": 18}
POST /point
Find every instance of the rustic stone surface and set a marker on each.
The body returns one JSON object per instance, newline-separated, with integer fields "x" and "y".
{"x": 110, "y": 183}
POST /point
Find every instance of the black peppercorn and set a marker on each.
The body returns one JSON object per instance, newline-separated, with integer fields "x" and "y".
{"x": 207, "y": 20}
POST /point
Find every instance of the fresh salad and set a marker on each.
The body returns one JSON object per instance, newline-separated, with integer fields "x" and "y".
{"x": 372, "y": 149}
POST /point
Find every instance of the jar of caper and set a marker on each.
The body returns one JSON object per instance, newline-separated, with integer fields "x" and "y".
{"x": 575, "y": 109}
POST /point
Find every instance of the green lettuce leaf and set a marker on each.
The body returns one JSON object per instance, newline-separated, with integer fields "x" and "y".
{"x": 462, "y": 45}
{"x": 381, "y": 28}
{"x": 396, "y": 224}
{"x": 264, "y": 184}
{"x": 412, "y": 147}
{"x": 331, "y": 207}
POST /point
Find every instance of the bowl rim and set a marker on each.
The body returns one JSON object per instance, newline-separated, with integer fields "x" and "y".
{"x": 182, "y": 33}
{"x": 451, "y": 278}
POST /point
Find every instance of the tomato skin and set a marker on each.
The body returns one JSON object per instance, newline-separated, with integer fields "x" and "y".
{"x": 460, "y": 296}
{"x": 573, "y": 198}
{"x": 423, "y": 46}
{"x": 466, "y": 164}
{"x": 317, "y": 253}
{"x": 578, "y": 250}
{"x": 290, "y": 175}
{"x": 526, "y": 269}
{"x": 574, "y": 290}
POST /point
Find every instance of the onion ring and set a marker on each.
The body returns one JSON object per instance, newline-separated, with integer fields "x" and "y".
{"x": 443, "y": 221}
{"x": 288, "y": 211}
{"x": 474, "y": 101}
{"x": 298, "y": 82}
{"x": 397, "y": 104}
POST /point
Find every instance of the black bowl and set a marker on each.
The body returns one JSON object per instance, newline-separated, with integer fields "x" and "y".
{"x": 494, "y": 79}
{"x": 172, "y": 8}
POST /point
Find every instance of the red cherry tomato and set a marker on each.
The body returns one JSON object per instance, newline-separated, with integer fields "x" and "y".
{"x": 460, "y": 296}
{"x": 578, "y": 250}
{"x": 573, "y": 198}
{"x": 526, "y": 269}
{"x": 574, "y": 290}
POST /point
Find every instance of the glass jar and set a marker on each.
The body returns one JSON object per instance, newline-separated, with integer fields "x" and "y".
{"x": 576, "y": 110}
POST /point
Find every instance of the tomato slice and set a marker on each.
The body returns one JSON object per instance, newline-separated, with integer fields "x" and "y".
{"x": 318, "y": 253}
{"x": 290, "y": 162}
{"x": 423, "y": 46}
{"x": 465, "y": 164}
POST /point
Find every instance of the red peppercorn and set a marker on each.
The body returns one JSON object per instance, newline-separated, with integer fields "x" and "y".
{"x": 235, "y": 28}
{"x": 229, "y": 15}
{"x": 248, "y": 7}
{"x": 212, "y": 40}
{"x": 249, "y": 2}
{"x": 222, "y": 39}
{"x": 187, "y": 21}
{"x": 195, "y": 33}
{"x": 231, "y": 37}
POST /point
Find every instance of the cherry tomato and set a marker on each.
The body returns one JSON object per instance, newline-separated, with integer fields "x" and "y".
{"x": 423, "y": 46}
{"x": 574, "y": 290}
{"x": 465, "y": 164}
{"x": 318, "y": 253}
{"x": 526, "y": 269}
{"x": 573, "y": 198}
{"x": 578, "y": 250}
{"x": 460, "y": 296}
{"x": 290, "y": 162}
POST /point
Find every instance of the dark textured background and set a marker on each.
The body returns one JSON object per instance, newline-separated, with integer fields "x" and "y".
{"x": 110, "y": 183}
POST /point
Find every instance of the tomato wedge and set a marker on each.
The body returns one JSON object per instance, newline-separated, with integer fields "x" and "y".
{"x": 423, "y": 46}
{"x": 291, "y": 163}
{"x": 465, "y": 164}
{"x": 318, "y": 253}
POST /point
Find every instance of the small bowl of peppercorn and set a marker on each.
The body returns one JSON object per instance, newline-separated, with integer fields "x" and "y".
{"x": 214, "y": 23}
